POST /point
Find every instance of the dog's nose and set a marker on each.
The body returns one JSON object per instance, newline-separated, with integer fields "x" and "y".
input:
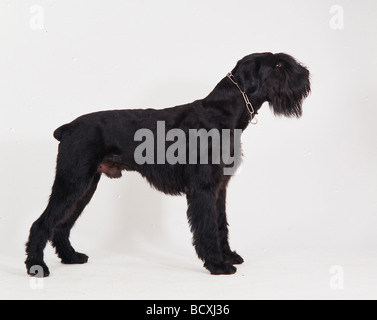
{"x": 278, "y": 65}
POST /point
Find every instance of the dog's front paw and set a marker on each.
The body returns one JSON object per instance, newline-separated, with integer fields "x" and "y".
{"x": 233, "y": 257}
{"x": 76, "y": 258}
{"x": 37, "y": 269}
{"x": 220, "y": 268}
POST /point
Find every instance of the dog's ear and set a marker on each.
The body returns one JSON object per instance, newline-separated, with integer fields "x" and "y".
{"x": 246, "y": 74}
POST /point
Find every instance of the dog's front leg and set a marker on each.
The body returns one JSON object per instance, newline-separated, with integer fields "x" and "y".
{"x": 222, "y": 223}
{"x": 202, "y": 217}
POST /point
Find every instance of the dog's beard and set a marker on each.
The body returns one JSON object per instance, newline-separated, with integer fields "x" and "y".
{"x": 288, "y": 104}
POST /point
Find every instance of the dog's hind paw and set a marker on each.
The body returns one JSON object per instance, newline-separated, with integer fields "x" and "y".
{"x": 76, "y": 258}
{"x": 233, "y": 258}
{"x": 220, "y": 268}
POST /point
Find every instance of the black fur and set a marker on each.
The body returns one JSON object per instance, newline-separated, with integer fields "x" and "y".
{"x": 103, "y": 142}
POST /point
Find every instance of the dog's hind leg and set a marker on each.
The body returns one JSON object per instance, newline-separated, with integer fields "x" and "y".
{"x": 222, "y": 224}
{"x": 75, "y": 171}
{"x": 60, "y": 239}
{"x": 202, "y": 217}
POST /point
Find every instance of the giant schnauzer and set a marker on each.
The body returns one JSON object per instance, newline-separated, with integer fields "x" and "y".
{"x": 109, "y": 142}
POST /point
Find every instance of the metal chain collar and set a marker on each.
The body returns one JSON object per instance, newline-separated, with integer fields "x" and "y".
{"x": 249, "y": 106}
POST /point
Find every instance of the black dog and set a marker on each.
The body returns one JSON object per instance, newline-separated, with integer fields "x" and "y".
{"x": 105, "y": 142}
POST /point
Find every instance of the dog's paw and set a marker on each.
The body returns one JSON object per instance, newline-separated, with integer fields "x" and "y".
{"x": 233, "y": 258}
{"x": 220, "y": 268}
{"x": 76, "y": 258}
{"x": 37, "y": 269}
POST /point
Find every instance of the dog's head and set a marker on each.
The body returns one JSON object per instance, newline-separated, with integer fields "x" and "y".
{"x": 276, "y": 78}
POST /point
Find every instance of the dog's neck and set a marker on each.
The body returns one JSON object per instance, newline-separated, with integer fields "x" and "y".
{"x": 228, "y": 99}
{"x": 248, "y": 104}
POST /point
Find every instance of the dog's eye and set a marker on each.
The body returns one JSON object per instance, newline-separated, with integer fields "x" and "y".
{"x": 278, "y": 65}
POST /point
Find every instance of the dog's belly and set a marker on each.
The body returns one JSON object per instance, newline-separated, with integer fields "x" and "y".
{"x": 168, "y": 179}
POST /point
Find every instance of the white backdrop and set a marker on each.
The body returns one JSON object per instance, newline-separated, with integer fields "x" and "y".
{"x": 306, "y": 186}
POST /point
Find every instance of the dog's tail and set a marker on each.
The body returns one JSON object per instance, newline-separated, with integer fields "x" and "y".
{"x": 58, "y": 133}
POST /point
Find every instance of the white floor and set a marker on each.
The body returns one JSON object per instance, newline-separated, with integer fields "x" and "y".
{"x": 160, "y": 274}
